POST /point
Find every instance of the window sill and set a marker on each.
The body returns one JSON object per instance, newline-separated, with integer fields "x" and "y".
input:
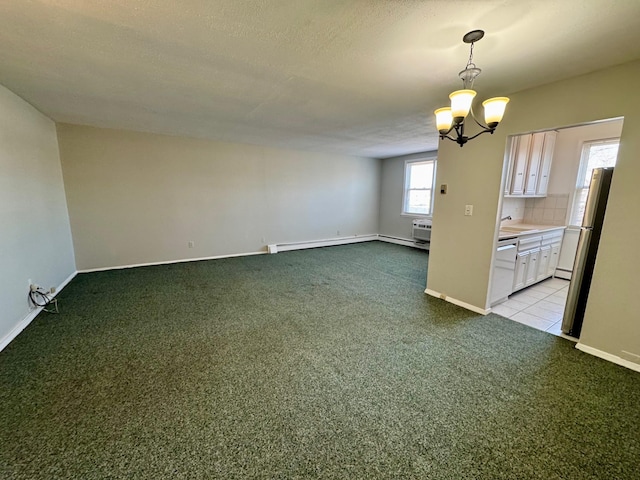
{"x": 415, "y": 215}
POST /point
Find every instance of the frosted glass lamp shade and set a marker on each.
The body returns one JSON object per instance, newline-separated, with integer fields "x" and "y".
{"x": 461, "y": 104}
{"x": 444, "y": 119}
{"x": 494, "y": 110}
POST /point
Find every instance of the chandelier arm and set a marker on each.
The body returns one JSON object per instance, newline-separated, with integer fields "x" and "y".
{"x": 476, "y": 120}
{"x": 488, "y": 130}
{"x": 457, "y": 128}
{"x": 447, "y": 132}
{"x": 448, "y": 138}
{"x": 460, "y": 138}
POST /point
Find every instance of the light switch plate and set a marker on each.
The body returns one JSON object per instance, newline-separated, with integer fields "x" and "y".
{"x": 468, "y": 210}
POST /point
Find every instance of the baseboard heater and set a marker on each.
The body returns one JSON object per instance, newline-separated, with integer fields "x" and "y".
{"x": 284, "y": 247}
{"x": 562, "y": 273}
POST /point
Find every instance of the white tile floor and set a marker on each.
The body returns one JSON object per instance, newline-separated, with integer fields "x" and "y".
{"x": 539, "y": 306}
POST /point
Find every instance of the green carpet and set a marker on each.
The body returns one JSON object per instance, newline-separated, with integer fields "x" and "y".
{"x": 323, "y": 363}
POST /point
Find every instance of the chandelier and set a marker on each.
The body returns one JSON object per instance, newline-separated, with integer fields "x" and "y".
{"x": 452, "y": 119}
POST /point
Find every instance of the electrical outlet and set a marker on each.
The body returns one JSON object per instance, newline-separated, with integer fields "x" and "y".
{"x": 191, "y": 243}
{"x": 468, "y": 210}
{"x": 337, "y": 232}
{"x": 52, "y": 290}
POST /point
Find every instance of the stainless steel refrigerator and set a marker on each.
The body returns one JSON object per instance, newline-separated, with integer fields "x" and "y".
{"x": 587, "y": 250}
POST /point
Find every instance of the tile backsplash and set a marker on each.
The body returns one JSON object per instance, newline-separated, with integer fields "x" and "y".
{"x": 550, "y": 210}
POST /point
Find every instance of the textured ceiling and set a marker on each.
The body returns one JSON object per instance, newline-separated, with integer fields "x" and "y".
{"x": 354, "y": 77}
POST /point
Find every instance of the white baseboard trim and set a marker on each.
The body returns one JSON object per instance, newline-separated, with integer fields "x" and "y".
{"x": 168, "y": 262}
{"x": 329, "y": 242}
{"x": 455, "y": 301}
{"x": 398, "y": 241}
{"x": 608, "y": 356}
{"x": 24, "y": 323}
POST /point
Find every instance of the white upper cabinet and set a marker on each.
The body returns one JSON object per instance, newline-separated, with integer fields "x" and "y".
{"x": 519, "y": 163}
{"x": 545, "y": 162}
{"x": 533, "y": 167}
{"x": 529, "y": 164}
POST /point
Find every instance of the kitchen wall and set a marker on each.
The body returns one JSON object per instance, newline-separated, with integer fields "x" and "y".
{"x": 392, "y": 222}
{"x": 554, "y": 209}
{"x": 514, "y": 208}
{"x": 460, "y": 269}
{"x": 141, "y": 198}
{"x": 568, "y": 149}
{"x": 35, "y": 242}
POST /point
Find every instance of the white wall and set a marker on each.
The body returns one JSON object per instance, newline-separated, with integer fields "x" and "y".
{"x": 392, "y": 222}
{"x": 140, "y": 198}
{"x": 35, "y": 238}
{"x": 460, "y": 268}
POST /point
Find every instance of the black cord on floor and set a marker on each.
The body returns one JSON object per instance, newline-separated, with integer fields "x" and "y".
{"x": 37, "y": 296}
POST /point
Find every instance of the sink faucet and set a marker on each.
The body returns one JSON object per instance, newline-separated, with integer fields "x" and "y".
{"x": 508, "y": 217}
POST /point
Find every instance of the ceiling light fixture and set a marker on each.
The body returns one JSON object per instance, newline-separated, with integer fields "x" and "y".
{"x": 453, "y": 118}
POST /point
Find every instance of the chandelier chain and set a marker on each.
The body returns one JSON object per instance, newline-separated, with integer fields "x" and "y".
{"x": 470, "y": 62}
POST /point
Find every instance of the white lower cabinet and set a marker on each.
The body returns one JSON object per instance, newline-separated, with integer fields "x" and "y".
{"x": 532, "y": 268}
{"x": 522, "y": 262}
{"x": 543, "y": 263}
{"x": 554, "y": 256}
{"x": 537, "y": 258}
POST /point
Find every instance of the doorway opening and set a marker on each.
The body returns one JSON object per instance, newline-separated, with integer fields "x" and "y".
{"x": 548, "y": 175}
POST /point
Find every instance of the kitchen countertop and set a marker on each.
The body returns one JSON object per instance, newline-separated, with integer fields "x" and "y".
{"x": 514, "y": 230}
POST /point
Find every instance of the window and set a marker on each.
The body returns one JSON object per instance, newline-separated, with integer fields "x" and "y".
{"x": 419, "y": 177}
{"x": 601, "y": 153}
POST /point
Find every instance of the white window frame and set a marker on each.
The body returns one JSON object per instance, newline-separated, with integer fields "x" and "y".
{"x": 582, "y": 172}
{"x": 406, "y": 189}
